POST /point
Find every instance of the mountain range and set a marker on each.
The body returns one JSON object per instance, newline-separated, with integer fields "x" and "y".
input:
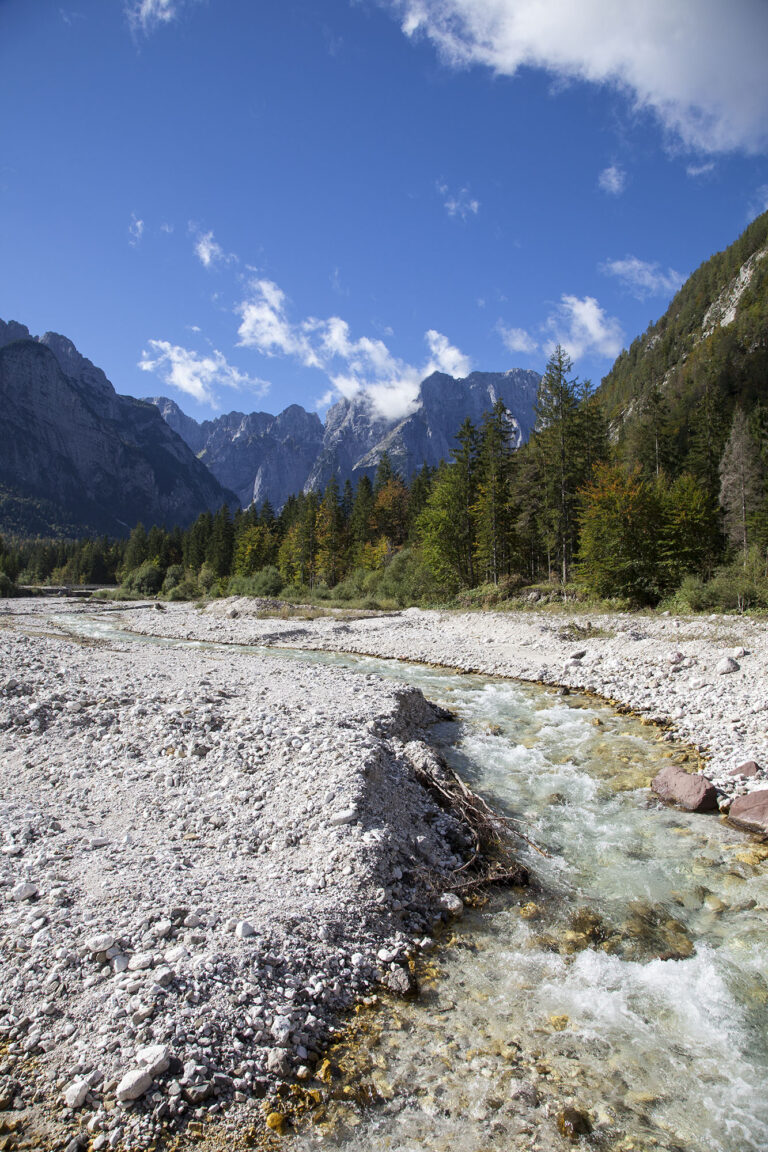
{"x": 262, "y": 457}
{"x": 75, "y": 457}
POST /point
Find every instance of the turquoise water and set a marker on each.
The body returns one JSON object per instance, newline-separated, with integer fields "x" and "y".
{"x": 630, "y": 981}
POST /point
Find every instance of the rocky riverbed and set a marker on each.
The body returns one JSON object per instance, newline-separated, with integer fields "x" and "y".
{"x": 207, "y": 858}
{"x": 203, "y": 863}
{"x": 704, "y": 678}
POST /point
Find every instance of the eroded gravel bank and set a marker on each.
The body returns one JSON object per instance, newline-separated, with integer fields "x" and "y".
{"x": 204, "y": 861}
{"x": 668, "y": 669}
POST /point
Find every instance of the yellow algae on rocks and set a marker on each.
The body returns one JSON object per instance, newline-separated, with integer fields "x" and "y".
{"x": 276, "y": 1122}
{"x": 559, "y": 1023}
{"x": 530, "y": 911}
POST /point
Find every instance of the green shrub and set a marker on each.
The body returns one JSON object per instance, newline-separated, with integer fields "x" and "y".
{"x": 173, "y": 577}
{"x": 187, "y": 589}
{"x": 266, "y": 582}
{"x": 147, "y": 579}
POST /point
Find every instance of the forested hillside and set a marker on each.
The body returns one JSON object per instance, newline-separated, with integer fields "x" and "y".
{"x": 671, "y": 397}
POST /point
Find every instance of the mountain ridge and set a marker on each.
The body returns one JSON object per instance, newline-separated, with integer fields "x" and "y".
{"x": 76, "y": 456}
{"x": 264, "y": 457}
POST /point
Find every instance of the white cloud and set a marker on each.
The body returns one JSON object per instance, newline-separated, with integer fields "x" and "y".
{"x": 167, "y": 228}
{"x": 643, "y": 279}
{"x": 461, "y": 203}
{"x": 354, "y": 367}
{"x": 146, "y": 15}
{"x": 517, "y": 339}
{"x": 445, "y": 357}
{"x": 208, "y": 251}
{"x": 698, "y": 65}
{"x": 135, "y": 230}
{"x": 694, "y": 170}
{"x": 582, "y": 327}
{"x": 612, "y": 180}
{"x": 195, "y": 374}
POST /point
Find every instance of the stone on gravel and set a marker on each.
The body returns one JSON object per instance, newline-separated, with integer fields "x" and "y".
{"x": 134, "y": 1084}
{"x": 751, "y": 811}
{"x": 748, "y": 768}
{"x": 244, "y": 929}
{"x": 76, "y": 1092}
{"x": 689, "y": 790}
{"x": 452, "y": 904}
{"x": 24, "y": 890}
{"x": 726, "y": 665}
{"x": 155, "y": 1058}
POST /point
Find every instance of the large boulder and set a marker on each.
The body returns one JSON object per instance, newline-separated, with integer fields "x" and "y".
{"x": 688, "y": 790}
{"x": 751, "y": 811}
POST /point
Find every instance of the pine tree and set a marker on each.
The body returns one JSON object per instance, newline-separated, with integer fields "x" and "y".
{"x": 557, "y": 428}
{"x": 742, "y": 486}
{"x": 330, "y": 535}
{"x": 384, "y": 473}
{"x": 360, "y": 520}
{"x": 491, "y": 510}
{"x": 446, "y": 527}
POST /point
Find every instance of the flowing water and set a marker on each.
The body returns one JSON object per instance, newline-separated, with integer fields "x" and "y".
{"x": 629, "y": 982}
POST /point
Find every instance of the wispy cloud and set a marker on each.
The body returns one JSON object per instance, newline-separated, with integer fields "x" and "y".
{"x": 196, "y": 374}
{"x": 641, "y": 278}
{"x": 462, "y": 203}
{"x": 146, "y": 15}
{"x": 696, "y": 170}
{"x": 697, "y": 65}
{"x": 354, "y": 367}
{"x": 582, "y": 327}
{"x": 207, "y": 250}
{"x": 135, "y": 230}
{"x": 612, "y": 180}
{"x": 517, "y": 339}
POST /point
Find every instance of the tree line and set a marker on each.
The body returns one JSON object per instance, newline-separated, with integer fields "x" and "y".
{"x": 574, "y": 508}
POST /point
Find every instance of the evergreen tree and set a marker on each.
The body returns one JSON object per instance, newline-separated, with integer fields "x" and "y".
{"x": 742, "y": 488}
{"x": 220, "y": 546}
{"x": 491, "y": 511}
{"x": 330, "y": 535}
{"x": 689, "y": 536}
{"x": 420, "y": 487}
{"x": 621, "y": 519}
{"x": 360, "y": 520}
{"x": 136, "y": 550}
{"x": 446, "y": 527}
{"x": 384, "y": 473}
{"x": 558, "y": 442}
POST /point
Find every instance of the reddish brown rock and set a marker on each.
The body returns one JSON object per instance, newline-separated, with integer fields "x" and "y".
{"x": 748, "y": 768}
{"x": 751, "y": 811}
{"x": 689, "y": 790}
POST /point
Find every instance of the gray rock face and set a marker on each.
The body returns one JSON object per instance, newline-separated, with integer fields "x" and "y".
{"x": 75, "y": 456}
{"x": 263, "y": 457}
{"x": 258, "y": 456}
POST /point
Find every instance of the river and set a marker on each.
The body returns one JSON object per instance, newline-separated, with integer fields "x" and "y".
{"x": 629, "y": 982}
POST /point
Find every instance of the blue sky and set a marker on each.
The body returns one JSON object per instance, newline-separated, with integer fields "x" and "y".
{"x": 243, "y": 204}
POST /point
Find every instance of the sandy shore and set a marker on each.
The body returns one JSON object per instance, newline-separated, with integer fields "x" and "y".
{"x": 206, "y": 859}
